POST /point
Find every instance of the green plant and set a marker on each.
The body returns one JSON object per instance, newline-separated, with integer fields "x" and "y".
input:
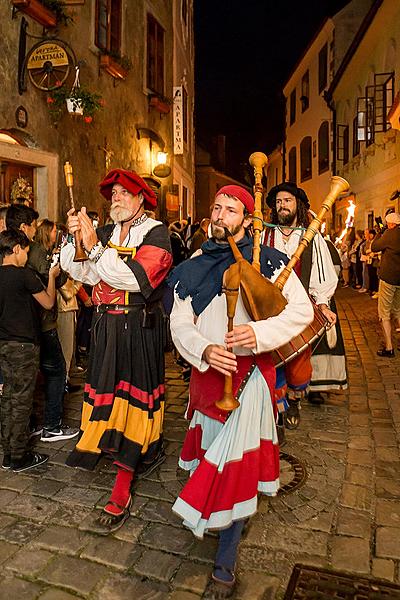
{"x": 90, "y": 102}
{"x": 57, "y": 7}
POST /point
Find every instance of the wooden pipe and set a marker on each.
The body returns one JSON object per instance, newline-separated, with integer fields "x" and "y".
{"x": 80, "y": 254}
{"x": 231, "y": 282}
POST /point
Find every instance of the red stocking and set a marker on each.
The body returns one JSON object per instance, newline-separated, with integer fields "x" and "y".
{"x": 121, "y": 491}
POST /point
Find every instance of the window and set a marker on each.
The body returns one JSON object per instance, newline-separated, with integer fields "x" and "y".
{"x": 356, "y": 143}
{"x": 365, "y": 118}
{"x": 292, "y": 107}
{"x": 322, "y": 68}
{"x": 342, "y": 148}
{"x": 305, "y": 159}
{"x": 155, "y": 56}
{"x": 323, "y": 147}
{"x": 305, "y": 91}
{"x": 293, "y": 165}
{"x": 108, "y": 26}
{"x": 383, "y": 99}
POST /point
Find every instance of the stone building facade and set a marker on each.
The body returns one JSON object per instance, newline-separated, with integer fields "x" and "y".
{"x": 131, "y": 54}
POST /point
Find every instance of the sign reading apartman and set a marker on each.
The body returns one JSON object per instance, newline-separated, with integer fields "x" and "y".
{"x": 48, "y": 52}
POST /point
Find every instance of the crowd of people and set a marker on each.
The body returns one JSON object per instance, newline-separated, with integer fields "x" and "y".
{"x": 142, "y": 281}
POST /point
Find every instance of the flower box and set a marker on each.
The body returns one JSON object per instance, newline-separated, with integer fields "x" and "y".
{"x": 36, "y": 10}
{"x": 160, "y": 105}
{"x": 113, "y": 67}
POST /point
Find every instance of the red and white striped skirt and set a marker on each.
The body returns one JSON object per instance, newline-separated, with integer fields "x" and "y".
{"x": 230, "y": 462}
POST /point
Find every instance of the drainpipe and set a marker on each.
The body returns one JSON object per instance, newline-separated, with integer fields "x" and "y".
{"x": 331, "y": 105}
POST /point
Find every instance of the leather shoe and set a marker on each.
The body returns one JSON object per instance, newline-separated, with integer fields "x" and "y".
{"x": 386, "y": 353}
{"x": 315, "y": 398}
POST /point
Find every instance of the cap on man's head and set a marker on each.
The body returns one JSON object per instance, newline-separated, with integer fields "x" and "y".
{"x": 240, "y": 193}
{"x": 131, "y": 182}
{"x": 291, "y": 188}
{"x": 393, "y": 217}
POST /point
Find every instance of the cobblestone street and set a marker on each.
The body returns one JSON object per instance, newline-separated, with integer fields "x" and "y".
{"x": 345, "y": 516}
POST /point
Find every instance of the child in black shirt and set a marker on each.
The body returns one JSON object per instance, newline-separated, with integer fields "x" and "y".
{"x": 20, "y": 287}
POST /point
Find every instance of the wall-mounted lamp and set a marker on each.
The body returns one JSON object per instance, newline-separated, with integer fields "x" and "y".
{"x": 161, "y": 169}
{"x": 162, "y": 158}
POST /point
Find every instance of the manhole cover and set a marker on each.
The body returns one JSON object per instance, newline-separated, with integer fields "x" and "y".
{"x": 308, "y": 583}
{"x": 292, "y": 473}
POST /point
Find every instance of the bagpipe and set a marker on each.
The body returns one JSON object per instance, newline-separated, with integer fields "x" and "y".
{"x": 262, "y": 298}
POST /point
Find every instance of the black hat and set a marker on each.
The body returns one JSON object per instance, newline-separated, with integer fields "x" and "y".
{"x": 287, "y": 186}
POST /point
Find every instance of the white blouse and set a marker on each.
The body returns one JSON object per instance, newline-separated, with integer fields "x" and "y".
{"x": 110, "y": 267}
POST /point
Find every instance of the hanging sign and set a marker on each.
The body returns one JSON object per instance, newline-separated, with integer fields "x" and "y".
{"x": 178, "y": 121}
{"x": 48, "y": 52}
{"x": 48, "y": 64}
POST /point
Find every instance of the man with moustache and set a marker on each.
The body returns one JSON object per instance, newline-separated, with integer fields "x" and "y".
{"x": 290, "y": 213}
{"x": 230, "y": 459}
{"x": 124, "y": 393}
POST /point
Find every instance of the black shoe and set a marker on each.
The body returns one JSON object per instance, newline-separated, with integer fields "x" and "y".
{"x": 6, "y": 464}
{"x": 30, "y": 460}
{"x": 292, "y": 415}
{"x": 386, "y": 353}
{"x": 145, "y": 469}
{"x": 315, "y": 398}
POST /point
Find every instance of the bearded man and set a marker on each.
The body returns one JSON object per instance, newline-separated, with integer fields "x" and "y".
{"x": 290, "y": 213}
{"x": 124, "y": 393}
{"x": 230, "y": 459}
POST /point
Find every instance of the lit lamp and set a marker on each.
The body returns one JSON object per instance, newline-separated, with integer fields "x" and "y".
{"x": 162, "y": 158}
{"x": 162, "y": 169}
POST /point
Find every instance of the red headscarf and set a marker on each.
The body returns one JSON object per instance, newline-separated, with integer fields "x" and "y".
{"x": 131, "y": 182}
{"x": 240, "y": 194}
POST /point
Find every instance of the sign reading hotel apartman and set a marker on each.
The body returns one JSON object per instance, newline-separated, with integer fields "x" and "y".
{"x": 178, "y": 123}
{"x": 48, "y": 52}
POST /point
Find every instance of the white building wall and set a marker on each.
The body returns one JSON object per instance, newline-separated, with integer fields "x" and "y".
{"x": 374, "y": 173}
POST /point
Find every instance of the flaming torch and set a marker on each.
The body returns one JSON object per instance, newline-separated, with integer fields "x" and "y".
{"x": 349, "y": 220}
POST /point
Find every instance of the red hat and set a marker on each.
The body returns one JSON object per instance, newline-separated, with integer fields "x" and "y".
{"x": 240, "y": 194}
{"x": 130, "y": 181}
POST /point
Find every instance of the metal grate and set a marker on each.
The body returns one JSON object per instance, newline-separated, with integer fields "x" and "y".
{"x": 310, "y": 583}
{"x": 299, "y": 474}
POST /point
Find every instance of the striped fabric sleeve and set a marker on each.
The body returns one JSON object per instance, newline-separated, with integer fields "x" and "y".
{"x": 152, "y": 261}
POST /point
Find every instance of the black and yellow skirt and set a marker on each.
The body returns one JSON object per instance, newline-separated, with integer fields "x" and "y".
{"x": 123, "y": 405}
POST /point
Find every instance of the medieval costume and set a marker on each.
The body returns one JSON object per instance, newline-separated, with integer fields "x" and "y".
{"x": 123, "y": 405}
{"x": 234, "y": 456}
{"x": 318, "y": 276}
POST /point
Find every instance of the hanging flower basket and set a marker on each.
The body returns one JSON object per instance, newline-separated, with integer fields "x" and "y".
{"x": 74, "y": 106}
{"x": 78, "y": 101}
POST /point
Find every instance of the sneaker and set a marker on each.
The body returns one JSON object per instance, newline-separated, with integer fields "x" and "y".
{"x": 362, "y": 290}
{"x": 6, "y": 464}
{"x": 35, "y": 430}
{"x": 30, "y": 460}
{"x": 59, "y": 433}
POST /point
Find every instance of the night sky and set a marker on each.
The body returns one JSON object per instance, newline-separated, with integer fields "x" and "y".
{"x": 245, "y": 52}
